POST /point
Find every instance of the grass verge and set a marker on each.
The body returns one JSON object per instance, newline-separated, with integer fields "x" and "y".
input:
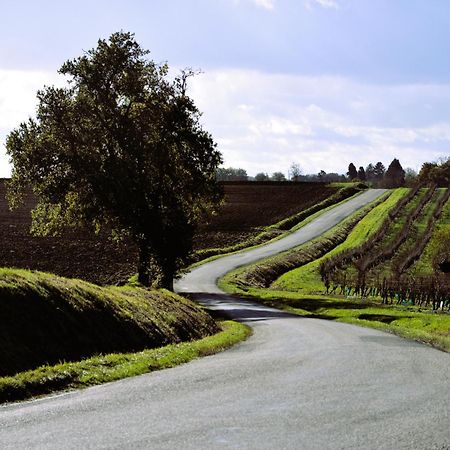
{"x": 102, "y": 369}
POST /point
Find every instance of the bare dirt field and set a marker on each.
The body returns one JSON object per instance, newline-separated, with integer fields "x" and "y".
{"x": 80, "y": 253}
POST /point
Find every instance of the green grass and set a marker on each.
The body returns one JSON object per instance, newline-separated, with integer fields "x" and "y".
{"x": 111, "y": 367}
{"x": 46, "y": 319}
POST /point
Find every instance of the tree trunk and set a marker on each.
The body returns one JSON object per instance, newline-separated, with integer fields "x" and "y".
{"x": 167, "y": 273}
{"x": 144, "y": 264}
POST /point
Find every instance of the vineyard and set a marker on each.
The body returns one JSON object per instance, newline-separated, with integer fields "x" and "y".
{"x": 385, "y": 266}
{"x": 394, "y": 253}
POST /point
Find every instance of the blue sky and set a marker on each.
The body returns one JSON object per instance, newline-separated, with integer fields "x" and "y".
{"x": 319, "y": 82}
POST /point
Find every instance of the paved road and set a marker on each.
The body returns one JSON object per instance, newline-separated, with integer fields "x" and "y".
{"x": 295, "y": 384}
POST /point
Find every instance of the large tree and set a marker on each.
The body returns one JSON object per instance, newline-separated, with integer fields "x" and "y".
{"x": 121, "y": 148}
{"x": 395, "y": 175}
{"x": 352, "y": 172}
{"x": 362, "y": 173}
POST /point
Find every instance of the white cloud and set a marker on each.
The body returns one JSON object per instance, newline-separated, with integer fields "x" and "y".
{"x": 266, "y": 4}
{"x": 18, "y": 102}
{"x": 269, "y": 5}
{"x": 263, "y": 122}
{"x": 333, "y": 4}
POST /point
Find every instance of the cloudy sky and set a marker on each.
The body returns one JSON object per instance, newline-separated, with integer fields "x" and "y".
{"x": 318, "y": 82}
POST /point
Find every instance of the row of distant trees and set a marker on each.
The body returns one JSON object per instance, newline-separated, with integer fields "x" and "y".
{"x": 377, "y": 175}
{"x": 373, "y": 174}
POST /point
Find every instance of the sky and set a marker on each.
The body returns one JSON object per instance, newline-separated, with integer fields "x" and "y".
{"x": 320, "y": 83}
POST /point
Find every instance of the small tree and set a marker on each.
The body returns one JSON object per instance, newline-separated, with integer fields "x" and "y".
{"x": 231, "y": 174}
{"x": 352, "y": 172}
{"x": 410, "y": 176}
{"x": 436, "y": 173}
{"x": 379, "y": 171}
{"x": 295, "y": 171}
{"x": 370, "y": 172}
{"x": 120, "y": 148}
{"x": 362, "y": 174}
{"x": 262, "y": 177}
{"x": 278, "y": 176}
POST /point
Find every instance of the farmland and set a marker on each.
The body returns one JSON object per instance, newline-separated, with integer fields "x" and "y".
{"x": 80, "y": 253}
{"x": 379, "y": 270}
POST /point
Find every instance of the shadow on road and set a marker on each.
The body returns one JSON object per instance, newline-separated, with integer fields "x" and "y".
{"x": 233, "y": 307}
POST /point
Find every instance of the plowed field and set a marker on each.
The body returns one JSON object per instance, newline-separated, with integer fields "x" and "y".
{"x": 82, "y": 254}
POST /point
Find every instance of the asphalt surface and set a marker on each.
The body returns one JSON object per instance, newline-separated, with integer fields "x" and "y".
{"x": 295, "y": 384}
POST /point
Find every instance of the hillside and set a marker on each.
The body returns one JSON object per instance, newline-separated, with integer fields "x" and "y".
{"x": 391, "y": 252}
{"x": 46, "y": 319}
{"x": 80, "y": 253}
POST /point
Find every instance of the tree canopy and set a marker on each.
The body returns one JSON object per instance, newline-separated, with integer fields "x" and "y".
{"x": 262, "y": 176}
{"x": 120, "y": 148}
{"x": 231, "y": 174}
{"x": 436, "y": 172}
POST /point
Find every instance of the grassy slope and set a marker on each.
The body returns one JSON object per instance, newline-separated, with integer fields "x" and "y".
{"x": 307, "y": 279}
{"x": 46, "y": 319}
{"x": 424, "y": 264}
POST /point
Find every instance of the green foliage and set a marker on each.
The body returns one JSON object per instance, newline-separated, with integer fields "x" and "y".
{"x": 262, "y": 176}
{"x": 438, "y": 173}
{"x": 278, "y": 176}
{"x": 231, "y": 174}
{"x": 121, "y": 147}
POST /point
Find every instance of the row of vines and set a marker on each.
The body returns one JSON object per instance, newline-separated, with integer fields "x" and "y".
{"x": 380, "y": 267}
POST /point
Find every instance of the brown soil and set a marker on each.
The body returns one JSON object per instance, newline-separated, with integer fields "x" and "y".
{"x": 251, "y": 206}
{"x": 80, "y": 253}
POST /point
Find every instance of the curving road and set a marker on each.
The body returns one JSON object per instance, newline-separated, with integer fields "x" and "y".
{"x": 295, "y": 384}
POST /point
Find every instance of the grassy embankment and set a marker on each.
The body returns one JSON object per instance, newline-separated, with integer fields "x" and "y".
{"x": 301, "y": 291}
{"x": 279, "y": 229}
{"x": 59, "y": 333}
